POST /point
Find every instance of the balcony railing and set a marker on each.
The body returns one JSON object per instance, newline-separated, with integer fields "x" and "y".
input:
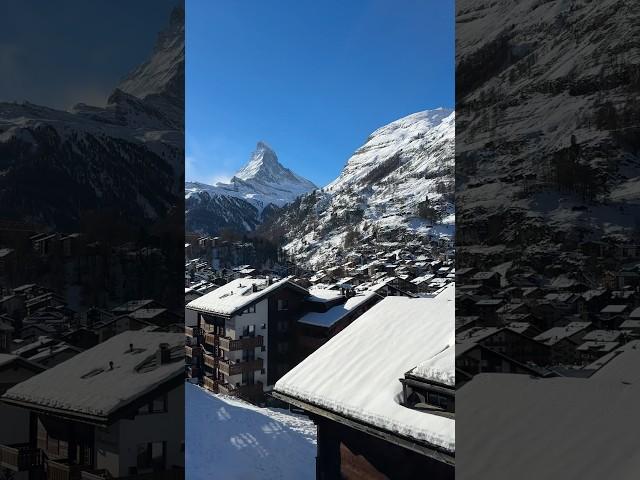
{"x": 177, "y": 474}
{"x": 234, "y": 368}
{"x": 193, "y": 331}
{"x": 211, "y": 339}
{"x": 242, "y": 390}
{"x": 210, "y": 384}
{"x": 191, "y": 351}
{"x": 246, "y": 343}
{"x": 193, "y": 371}
{"x": 210, "y": 361}
{"x": 20, "y": 457}
{"x": 62, "y": 470}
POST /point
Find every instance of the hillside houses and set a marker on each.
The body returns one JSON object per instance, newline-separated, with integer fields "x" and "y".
{"x": 524, "y": 323}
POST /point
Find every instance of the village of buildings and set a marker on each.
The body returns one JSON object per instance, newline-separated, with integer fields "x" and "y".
{"x": 91, "y": 379}
{"x": 546, "y": 327}
{"x": 547, "y": 360}
{"x": 362, "y": 349}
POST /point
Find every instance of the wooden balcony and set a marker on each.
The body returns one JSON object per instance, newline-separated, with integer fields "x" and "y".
{"x": 211, "y": 339}
{"x": 20, "y": 457}
{"x": 241, "y": 391}
{"x": 210, "y": 361}
{"x": 210, "y": 384}
{"x": 234, "y": 368}
{"x": 177, "y": 474}
{"x": 193, "y": 372}
{"x": 193, "y": 332}
{"x": 62, "y": 470}
{"x": 191, "y": 351}
{"x": 246, "y": 343}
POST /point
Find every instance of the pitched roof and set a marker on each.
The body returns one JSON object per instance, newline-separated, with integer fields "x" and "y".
{"x": 337, "y": 313}
{"x": 350, "y": 376}
{"x": 85, "y": 385}
{"x": 239, "y": 294}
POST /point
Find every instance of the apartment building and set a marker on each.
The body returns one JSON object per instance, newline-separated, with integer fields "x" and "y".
{"x": 244, "y": 338}
{"x": 113, "y": 411}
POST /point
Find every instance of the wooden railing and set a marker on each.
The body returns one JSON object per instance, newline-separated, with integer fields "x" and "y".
{"x": 191, "y": 351}
{"x": 193, "y": 331}
{"x": 177, "y": 474}
{"x": 62, "y": 470}
{"x": 20, "y": 457}
{"x": 247, "y": 343}
{"x": 210, "y": 361}
{"x": 234, "y": 368}
{"x": 210, "y": 384}
{"x": 210, "y": 339}
{"x": 242, "y": 390}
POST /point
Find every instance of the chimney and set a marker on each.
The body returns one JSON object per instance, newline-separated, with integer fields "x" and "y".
{"x": 131, "y": 347}
{"x": 110, "y": 365}
{"x": 254, "y": 287}
{"x": 163, "y": 355}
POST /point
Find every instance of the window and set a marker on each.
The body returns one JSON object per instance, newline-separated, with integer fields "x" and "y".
{"x": 157, "y": 405}
{"x": 151, "y": 456}
{"x": 263, "y": 326}
{"x": 283, "y": 304}
{"x": 249, "y": 309}
{"x": 249, "y": 331}
{"x": 263, "y": 348}
{"x": 283, "y": 326}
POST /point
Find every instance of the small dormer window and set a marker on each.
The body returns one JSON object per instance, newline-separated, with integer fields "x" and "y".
{"x": 250, "y": 309}
{"x": 283, "y": 304}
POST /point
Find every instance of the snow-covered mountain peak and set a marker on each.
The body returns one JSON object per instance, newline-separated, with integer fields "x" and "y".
{"x": 421, "y": 135}
{"x": 399, "y": 185}
{"x": 263, "y": 161}
{"x": 163, "y": 73}
{"x": 263, "y": 182}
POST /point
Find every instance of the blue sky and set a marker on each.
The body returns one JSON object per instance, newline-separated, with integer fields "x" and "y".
{"x": 311, "y": 78}
{"x": 60, "y": 53}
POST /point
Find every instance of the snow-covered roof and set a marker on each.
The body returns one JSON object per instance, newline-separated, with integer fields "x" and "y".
{"x": 602, "y": 335}
{"x": 614, "y": 309}
{"x": 350, "y": 375}
{"x": 597, "y": 346}
{"x": 468, "y": 339}
{"x": 441, "y": 368}
{"x": 323, "y": 295}
{"x": 548, "y": 428}
{"x": 85, "y": 384}
{"x": 335, "y": 314}
{"x": 519, "y": 327}
{"x": 635, "y": 314}
{"x": 555, "y": 334}
{"x": 237, "y": 294}
{"x": 6, "y": 359}
{"x": 630, "y": 324}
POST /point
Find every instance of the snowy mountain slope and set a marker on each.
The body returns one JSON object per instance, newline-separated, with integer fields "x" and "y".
{"x": 400, "y": 182}
{"x": 258, "y": 188}
{"x": 125, "y": 157}
{"x": 547, "y": 146}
